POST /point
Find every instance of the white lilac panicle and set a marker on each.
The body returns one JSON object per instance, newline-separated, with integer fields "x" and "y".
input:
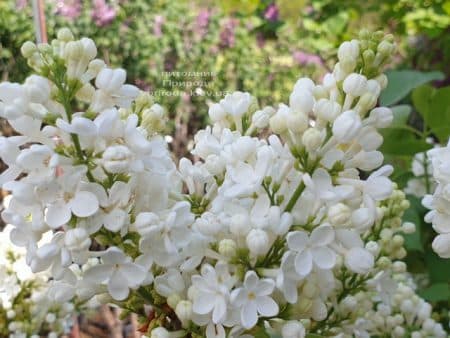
{"x": 25, "y": 308}
{"x": 285, "y": 213}
{"x": 438, "y": 202}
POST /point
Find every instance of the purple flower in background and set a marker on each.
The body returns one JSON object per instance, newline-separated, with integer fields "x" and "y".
{"x": 70, "y": 9}
{"x": 102, "y": 13}
{"x": 21, "y": 4}
{"x": 202, "y": 22}
{"x": 157, "y": 26}
{"x": 303, "y": 58}
{"x": 271, "y": 13}
{"x": 227, "y": 35}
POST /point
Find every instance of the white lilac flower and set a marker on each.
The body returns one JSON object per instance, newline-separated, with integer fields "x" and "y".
{"x": 253, "y": 299}
{"x": 118, "y": 272}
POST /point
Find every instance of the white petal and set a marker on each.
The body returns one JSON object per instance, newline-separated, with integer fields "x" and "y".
{"x": 265, "y": 287}
{"x": 303, "y": 263}
{"x": 203, "y": 303}
{"x": 266, "y": 306}
{"x": 133, "y": 273}
{"x": 322, "y": 235}
{"x": 249, "y": 315}
{"x": 324, "y": 257}
{"x": 114, "y": 220}
{"x": 57, "y": 214}
{"x": 220, "y": 310}
{"x": 297, "y": 240}
{"x": 251, "y": 280}
{"x": 116, "y": 286}
{"x": 97, "y": 274}
{"x": 84, "y": 204}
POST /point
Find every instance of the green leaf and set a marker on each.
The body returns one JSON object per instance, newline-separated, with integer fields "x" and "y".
{"x": 402, "y": 142}
{"x": 313, "y": 335}
{"x": 401, "y": 82}
{"x": 413, "y": 242}
{"x": 436, "y": 292}
{"x": 434, "y": 107}
{"x": 401, "y": 115}
{"x": 438, "y": 268}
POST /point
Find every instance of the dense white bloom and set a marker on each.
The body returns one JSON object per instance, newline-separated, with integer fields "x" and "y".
{"x": 256, "y": 231}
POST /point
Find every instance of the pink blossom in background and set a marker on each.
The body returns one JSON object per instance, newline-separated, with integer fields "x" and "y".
{"x": 70, "y": 9}
{"x": 157, "y": 26}
{"x": 271, "y": 13}
{"x": 102, "y": 13}
{"x": 202, "y": 22}
{"x": 303, "y": 58}
{"x": 227, "y": 35}
{"x": 20, "y": 4}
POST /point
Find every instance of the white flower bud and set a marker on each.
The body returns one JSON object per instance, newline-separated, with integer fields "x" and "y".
{"x": 348, "y": 50}
{"x": 359, "y": 260}
{"x": 278, "y": 122}
{"x": 339, "y": 214}
{"x": 327, "y": 110}
{"x": 160, "y": 332}
{"x": 367, "y": 160}
{"x": 301, "y": 100}
{"x": 184, "y": 311}
{"x": 355, "y": 84}
{"x": 441, "y": 245}
{"x": 293, "y": 329}
{"x": 10, "y": 314}
{"x": 28, "y": 49}
{"x": 373, "y": 248}
{"x": 297, "y": 122}
{"x": 399, "y": 331}
{"x": 346, "y": 126}
{"x": 240, "y": 224}
{"x": 382, "y": 81}
{"x": 216, "y": 112}
{"x": 173, "y": 300}
{"x": 116, "y": 159}
{"x": 50, "y": 318}
{"x": 312, "y": 139}
{"x": 369, "y": 139}
{"x": 89, "y": 48}
{"x": 258, "y": 242}
{"x": 261, "y": 118}
{"x": 399, "y": 267}
{"x": 64, "y": 34}
{"x": 227, "y": 247}
{"x": 77, "y": 239}
{"x": 381, "y": 116}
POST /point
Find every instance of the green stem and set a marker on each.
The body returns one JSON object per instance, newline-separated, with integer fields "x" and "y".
{"x": 295, "y": 196}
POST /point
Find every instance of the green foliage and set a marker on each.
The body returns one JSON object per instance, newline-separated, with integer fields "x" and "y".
{"x": 402, "y": 82}
{"x": 434, "y": 107}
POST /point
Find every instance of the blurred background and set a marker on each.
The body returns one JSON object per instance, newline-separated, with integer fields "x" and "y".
{"x": 191, "y": 53}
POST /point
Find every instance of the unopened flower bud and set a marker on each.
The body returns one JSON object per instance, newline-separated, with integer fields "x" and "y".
{"x": 227, "y": 247}
{"x": 28, "y": 49}
{"x": 355, "y": 84}
{"x": 327, "y": 110}
{"x": 297, "y": 122}
{"x": 346, "y": 126}
{"x": 312, "y": 139}
{"x": 216, "y": 112}
{"x": 293, "y": 329}
{"x": 160, "y": 332}
{"x": 64, "y": 34}
{"x": 381, "y": 116}
{"x": 257, "y": 242}
{"x": 184, "y": 311}
{"x": 339, "y": 214}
